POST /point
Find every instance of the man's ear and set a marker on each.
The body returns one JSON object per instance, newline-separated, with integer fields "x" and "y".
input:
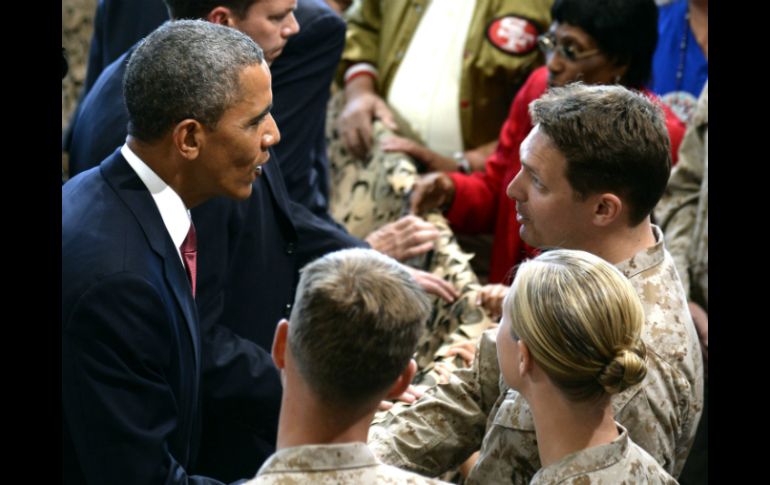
{"x": 403, "y": 381}
{"x": 188, "y": 137}
{"x": 221, "y": 15}
{"x": 279, "y": 343}
{"x": 607, "y": 209}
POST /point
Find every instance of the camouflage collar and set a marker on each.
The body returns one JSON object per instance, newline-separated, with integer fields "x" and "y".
{"x": 645, "y": 259}
{"x": 586, "y": 461}
{"x": 308, "y": 458}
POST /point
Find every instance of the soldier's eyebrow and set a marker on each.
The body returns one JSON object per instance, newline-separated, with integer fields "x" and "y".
{"x": 528, "y": 167}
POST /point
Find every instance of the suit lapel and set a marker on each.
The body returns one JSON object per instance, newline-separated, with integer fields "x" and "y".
{"x": 278, "y": 190}
{"x": 127, "y": 185}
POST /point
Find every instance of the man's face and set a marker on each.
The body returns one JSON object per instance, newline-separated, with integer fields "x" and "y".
{"x": 239, "y": 142}
{"x": 269, "y": 23}
{"x": 548, "y": 211}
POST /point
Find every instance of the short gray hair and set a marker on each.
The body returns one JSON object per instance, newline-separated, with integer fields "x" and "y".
{"x": 355, "y": 323}
{"x": 185, "y": 69}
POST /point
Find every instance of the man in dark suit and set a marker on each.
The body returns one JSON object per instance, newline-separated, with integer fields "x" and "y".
{"x": 131, "y": 348}
{"x": 251, "y": 250}
{"x": 301, "y": 90}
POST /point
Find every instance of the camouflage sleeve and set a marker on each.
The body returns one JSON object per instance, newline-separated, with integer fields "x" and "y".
{"x": 362, "y": 38}
{"x": 677, "y": 210}
{"x": 447, "y": 424}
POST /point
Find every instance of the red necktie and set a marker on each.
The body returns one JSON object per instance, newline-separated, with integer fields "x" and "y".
{"x": 189, "y": 249}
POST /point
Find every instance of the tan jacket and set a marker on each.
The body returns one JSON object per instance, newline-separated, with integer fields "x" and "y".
{"x": 661, "y": 414}
{"x": 343, "y": 464}
{"x": 683, "y": 211}
{"x": 379, "y": 32}
{"x": 621, "y": 461}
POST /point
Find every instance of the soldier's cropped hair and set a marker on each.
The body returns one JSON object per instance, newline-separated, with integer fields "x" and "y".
{"x": 614, "y": 140}
{"x": 581, "y": 320}
{"x": 185, "y": 69}
{"x": 355, "y": 323}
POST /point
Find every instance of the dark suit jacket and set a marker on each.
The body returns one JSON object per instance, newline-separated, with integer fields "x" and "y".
{"x": 301, "y": 80}
{"x": 131, "y": 350}
{"x": 118, "y": 25}
{"x": 249, "y": 255}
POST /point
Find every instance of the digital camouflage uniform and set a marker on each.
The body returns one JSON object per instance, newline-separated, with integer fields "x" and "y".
{"x": 621, "y": 461}
{"x": 348, "y": 463}
{"x": 379, "y": 196}
{"x": 661, "y": 414}
{"x": 683, "y": 211}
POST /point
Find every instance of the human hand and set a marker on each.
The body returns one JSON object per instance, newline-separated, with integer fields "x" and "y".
{"x": 431, "y": 191}
{"x": 432, "y": 160}
{"x": 409, "y": 396}
{"x": 434, "y": 285}
{"x": 406, "y": 238}
{"x": 362, "y": 106}
{"x": 466, "y": 350}
{"x": 490, "y": 298}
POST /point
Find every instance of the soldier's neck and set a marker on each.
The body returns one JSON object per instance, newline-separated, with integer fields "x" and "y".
{"x": 564, "y": 427}
{"x": 305, "y": 420}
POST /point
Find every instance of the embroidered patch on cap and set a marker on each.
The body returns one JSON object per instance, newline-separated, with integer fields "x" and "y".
{"x": 513, "y": 34}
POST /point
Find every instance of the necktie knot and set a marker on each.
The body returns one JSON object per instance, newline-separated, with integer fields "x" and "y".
{"x": 189, "y": 250}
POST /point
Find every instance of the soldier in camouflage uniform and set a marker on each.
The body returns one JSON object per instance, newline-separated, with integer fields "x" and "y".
{"x": 570, "y": 338}
{"x": 683, "y": 213}
{"x": 621, "y": 461}
{"x": 354, "y": 326}
{"x": 576, "y": 137}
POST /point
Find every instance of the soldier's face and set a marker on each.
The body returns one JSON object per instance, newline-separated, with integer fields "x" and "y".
{"x": 549, "y": 211}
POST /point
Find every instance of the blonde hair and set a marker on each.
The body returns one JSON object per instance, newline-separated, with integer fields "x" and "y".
{"x": 581, "y": 320}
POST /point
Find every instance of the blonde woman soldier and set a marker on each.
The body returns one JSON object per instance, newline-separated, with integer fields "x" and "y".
{"x": 569, "y": 340}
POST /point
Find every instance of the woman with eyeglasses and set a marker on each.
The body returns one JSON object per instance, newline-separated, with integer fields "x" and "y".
{"x": 593, "y": 41}
{"x": 569, "y": 340}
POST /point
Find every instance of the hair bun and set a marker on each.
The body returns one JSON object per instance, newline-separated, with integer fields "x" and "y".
{"x": 626, "y": 369}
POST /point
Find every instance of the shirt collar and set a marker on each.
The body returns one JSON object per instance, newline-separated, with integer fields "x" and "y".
{"x": 172, "y": 210}
{"x": 646, "y": 258}
{"x": 587, "y": 460}
{"x": 319, "y": 458}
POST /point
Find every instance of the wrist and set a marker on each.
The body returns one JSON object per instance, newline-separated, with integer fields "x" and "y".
{"x": 463, "y": 165}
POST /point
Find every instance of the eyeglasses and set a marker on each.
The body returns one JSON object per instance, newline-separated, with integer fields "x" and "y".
{"x": 547, "y": 43}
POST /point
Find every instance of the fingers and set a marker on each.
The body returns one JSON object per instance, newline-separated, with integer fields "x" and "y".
{"x": 358, "y": 139}
{"x": 431, "y": 191}
{"x": 490, "y": 298}
{"x": 437, "y": 286}
{"x": 396, "y": 144}
{"x": 384, "y": 405}
{"x": 465, "y": 353}
{"x": 417, "y": 250}
{"x": 443, "y": 371}
{"x": 385, "y": 115}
